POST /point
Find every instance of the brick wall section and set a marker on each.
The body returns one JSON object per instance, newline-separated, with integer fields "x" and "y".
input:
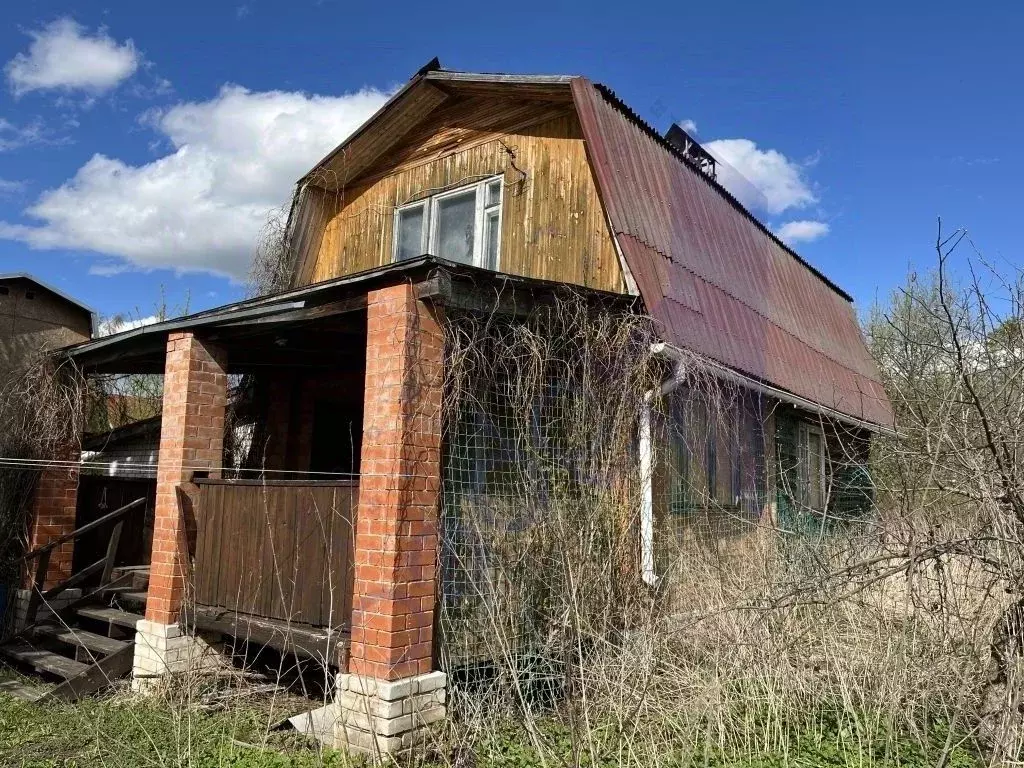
{"x": 396, "y": 528}
{"x": 53, "y": 515}
{"x": 191, "y": 436}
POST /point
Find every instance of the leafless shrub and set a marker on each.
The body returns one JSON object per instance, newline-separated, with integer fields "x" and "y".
{"x": 41, "y": 413}
{"x": 273, "y": 263}
{"x": 951, "y": 486}
{"x": 757, "y": 630}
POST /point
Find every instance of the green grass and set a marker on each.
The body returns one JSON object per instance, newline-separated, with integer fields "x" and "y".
{"x": 126, "y": 730}
{"x": 130, "y": 730}
{"x": 825, "y": 743}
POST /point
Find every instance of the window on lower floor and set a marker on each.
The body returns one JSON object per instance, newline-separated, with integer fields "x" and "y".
{"x": 811, "y": 467}
{"x": 462, "y": 225}
{"x": 715, "y": 454}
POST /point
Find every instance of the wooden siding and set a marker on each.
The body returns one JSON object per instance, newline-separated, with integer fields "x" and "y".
{"x": 277, "y": 550}
{"x": 553, "y": 224}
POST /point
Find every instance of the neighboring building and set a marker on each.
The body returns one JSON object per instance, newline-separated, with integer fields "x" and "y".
{"x": 470, "y": 193}
{"x": 35, "y": 316}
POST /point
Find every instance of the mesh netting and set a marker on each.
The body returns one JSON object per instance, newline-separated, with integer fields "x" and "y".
{"x": 540, "y": 472}
{"x": 542, "y": 486}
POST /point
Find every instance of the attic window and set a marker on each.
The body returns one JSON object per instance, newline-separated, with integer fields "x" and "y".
{"x": 462, "y": 225}
{"x": 4, "y": 290}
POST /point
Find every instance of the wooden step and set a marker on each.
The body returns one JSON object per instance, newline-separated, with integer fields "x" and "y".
{"x": 46, "y": 661}
{"x": 82, "y": 639}
{"x": 138, "y": 576}
{"x": 134, "y": 599}
{"x": 112, "y": 616}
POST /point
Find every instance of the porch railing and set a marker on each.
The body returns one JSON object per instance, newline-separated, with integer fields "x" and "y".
{"x": 280, "y": 550}
{"x": 104, "y": 566}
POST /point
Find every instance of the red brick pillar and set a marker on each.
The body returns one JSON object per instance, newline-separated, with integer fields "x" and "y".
{"x": 397, "y": 527}
{"x": 191, "y": 438}
{"x": 53, "y": 515}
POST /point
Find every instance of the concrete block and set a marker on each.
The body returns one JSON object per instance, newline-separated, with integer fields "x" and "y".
{"x": 387, "y": 716}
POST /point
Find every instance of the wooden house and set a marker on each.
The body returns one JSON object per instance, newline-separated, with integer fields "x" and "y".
{"x": 462, "y": 188}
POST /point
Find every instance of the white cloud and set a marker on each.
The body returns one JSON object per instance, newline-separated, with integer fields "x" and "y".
{"x": 202, "y": 206}
{"x": 64, "y": 55}
{"x": 803, "y": 231}
{"x": 689, "y": 126}
{"x": 761, "y": 179}
{"x": 14, "y": 136}
{"x": 120, "y": 324}
{"x": 10, "y": 187}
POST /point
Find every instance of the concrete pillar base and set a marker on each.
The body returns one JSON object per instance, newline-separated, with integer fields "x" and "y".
{"x": 381, "y": 717}
{"x": 167, "y": 649}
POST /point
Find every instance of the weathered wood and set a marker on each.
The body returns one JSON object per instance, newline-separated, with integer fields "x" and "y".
{"x": 74, "y": 580}
{"x": 96, "y": 676}
{"x": 553, "y": 224}
{"x": 78, "y": 532}
{"x": 38, "y": 582}
{"x": 112, "y": 545}
{"x": 329, "y": 646}
{"x": 67, "y": 613}
{"x": 111, "y": 616}
{"x": 43, "y": 660}
{"x": 81, "y": 638}
{"x": 276, "y": 550}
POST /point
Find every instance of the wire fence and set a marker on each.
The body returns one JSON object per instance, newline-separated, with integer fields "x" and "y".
{"x": 543, "y": 482}
{"x": 540, "y": 469}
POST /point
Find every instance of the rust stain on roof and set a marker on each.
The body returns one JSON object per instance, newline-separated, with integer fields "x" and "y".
{"x": 717, "y": 280}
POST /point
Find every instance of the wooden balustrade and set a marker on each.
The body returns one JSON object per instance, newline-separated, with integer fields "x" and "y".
{"x": 279, "y": 550}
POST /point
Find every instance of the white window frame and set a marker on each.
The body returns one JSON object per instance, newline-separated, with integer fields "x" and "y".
{"x": 429, "y": 234}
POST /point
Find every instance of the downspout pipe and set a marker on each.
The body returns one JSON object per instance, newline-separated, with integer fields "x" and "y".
{"x": 646, "y": 441}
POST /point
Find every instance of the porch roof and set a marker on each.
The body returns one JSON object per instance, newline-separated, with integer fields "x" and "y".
{"x": 262, "y": 332}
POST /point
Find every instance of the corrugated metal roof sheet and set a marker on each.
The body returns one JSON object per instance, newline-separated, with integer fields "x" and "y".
{"x": 720, "y": 283}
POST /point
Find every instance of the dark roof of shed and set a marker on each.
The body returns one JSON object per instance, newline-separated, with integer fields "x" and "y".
{"x": 721, "y": 284}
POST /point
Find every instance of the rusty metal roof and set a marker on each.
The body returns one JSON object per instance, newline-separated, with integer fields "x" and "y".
{"x": 720, "y": 283}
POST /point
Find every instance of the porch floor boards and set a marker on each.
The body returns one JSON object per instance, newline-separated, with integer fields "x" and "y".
{"x": 329, "y": 647}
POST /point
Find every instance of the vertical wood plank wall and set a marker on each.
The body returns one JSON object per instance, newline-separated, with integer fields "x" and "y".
{"x": 276, "y": 550}
{"x": 553, "y": 224}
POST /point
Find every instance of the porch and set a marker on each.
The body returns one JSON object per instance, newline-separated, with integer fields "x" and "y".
{"x": 293, "y": 429}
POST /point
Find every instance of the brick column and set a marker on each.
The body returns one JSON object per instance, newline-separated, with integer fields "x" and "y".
{"x": 391, "y": 655}
{"x": 191, "y": 436}
{"x": 53, "y": 515}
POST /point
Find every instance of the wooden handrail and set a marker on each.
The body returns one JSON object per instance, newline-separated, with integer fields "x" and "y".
{"x": 99, "y": 522}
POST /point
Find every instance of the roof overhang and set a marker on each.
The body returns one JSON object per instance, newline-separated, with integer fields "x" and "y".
{"x": 415, "y": 101}
{"x": 437, "y": 280}
{"x": 683, "y": 371}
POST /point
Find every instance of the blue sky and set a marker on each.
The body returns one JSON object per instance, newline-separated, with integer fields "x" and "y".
{"x": 140, "y": 137}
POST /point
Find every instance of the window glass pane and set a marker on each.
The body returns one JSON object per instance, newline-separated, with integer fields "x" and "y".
{"x": 410, "y": 233}
{"x": 493, "y": 193}
{"x": 455, "y": 225}
{"x": 492, "y": 236}
{"x": 814, "y": 465}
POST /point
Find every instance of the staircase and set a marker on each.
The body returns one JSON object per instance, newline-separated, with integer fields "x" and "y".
{"x": 89, "y": 642}
{"x": 84, "y": 647}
